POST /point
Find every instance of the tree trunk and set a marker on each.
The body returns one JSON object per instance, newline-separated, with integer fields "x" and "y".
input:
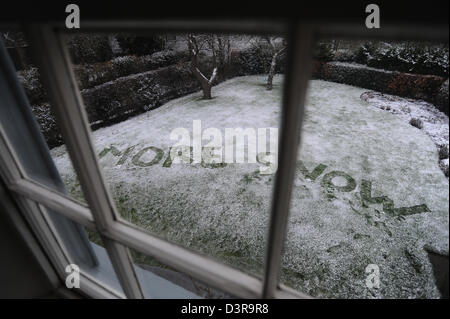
{"x": 271, "y": 72}
{"x": 207, "y": 91}
{"x": 273, "y": 64}
{"x": 204, "y": 82}
{"x": 22, "y": 56}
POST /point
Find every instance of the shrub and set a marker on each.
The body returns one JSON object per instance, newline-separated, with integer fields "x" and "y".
{"x": 441, "y": 97}
{"x": 365, "y": 52}
{"x": 414, "y": 86}
{"x": 133, "y": 45}
{"x": 85, "y": 48}
{"x": 443, "y": 152}
{"x": 89, "y": 75}
{"x": 444, "y": 167}
{"x": 255, "y": 60}
{"x": 316, "y": 71}
{"x": 344, "y": 55}
{"x": 323, "y": 52}
{"x": 119, "y": 99}
{"x": 405, "y": 57}
{"x": 47, "y": 124}
{"x": 353, "y": 75}
{"x": 32, "y": 86}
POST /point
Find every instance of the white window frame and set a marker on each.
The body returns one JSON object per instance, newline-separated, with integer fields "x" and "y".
{"x": 101, "y": 216}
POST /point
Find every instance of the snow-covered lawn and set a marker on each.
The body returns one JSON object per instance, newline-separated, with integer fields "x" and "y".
{"x": 434, "y": 122}
{"x": 368, "y": 189}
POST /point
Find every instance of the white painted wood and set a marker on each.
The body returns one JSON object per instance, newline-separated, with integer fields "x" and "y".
{"x": 200, "y": 267}
{"x": 295, "y": 87}
{"x": 53, "y": 59}
{"x": 55, "y": 201}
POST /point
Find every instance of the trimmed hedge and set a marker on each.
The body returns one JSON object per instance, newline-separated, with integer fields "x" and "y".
{"x": 441, "y": 98}
{"x": 90, "y": 75}
{"x": 249, "y": 62}
{"x": 127, "y": 96}
{"x": 113, "y": 101}
{"x": 414, "y": 58}
{"x": 417, "y": 86}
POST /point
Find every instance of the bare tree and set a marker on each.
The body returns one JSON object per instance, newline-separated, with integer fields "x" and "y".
{"x": 219, "y": 48}
{"x": 336, "y": 44}
{"x": 277, "y": 51}
{"x": 17, "y": 40}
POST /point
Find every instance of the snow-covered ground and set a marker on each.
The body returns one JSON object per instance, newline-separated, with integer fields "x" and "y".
{"x": 435, "y": 123}
{"x": 351, "y": 155}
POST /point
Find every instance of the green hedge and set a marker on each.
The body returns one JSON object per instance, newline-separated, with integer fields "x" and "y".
{"x": 90, "y": 75}
{"x": 135, "y": 45}
{"x": 113, "y": 101}
{"x": 90, "y": 48}
{"x": 127, "y": 96}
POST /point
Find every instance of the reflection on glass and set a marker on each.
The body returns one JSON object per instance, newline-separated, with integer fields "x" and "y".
{"x": 161, "y": 281}
{"x": 29, "y": 122}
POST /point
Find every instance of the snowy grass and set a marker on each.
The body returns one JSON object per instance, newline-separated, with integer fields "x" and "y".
{"x": 435, "y": 122}
{"x": 333, "y": 234}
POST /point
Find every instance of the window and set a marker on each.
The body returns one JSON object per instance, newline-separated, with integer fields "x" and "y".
{"x": 118, "y": 245}
{"x": 115, "y": 235}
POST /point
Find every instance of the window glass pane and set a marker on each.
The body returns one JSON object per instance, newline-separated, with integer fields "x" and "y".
{"x": 86, "y": 251}
{"x": 21, "y": 130}
{"x": 205, "y": 99}
{"x": 161, "y": 281}
{"x": 371, "y": 193}
{"x": 28, "y": 121}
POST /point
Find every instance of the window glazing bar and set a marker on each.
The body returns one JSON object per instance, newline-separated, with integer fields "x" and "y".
{"x": 27, "y": 194}
{"x": 299, "y": 61}
{"x": 198, "y": 266}
{"x": 55, "y": 201}
{"x": 65, "y": 99}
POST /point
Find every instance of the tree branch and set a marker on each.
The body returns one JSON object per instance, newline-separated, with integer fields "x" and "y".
{"x": 213, "y": 76}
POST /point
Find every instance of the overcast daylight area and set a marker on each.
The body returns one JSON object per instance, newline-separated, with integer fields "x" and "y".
{"x": 276, "y": 159}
